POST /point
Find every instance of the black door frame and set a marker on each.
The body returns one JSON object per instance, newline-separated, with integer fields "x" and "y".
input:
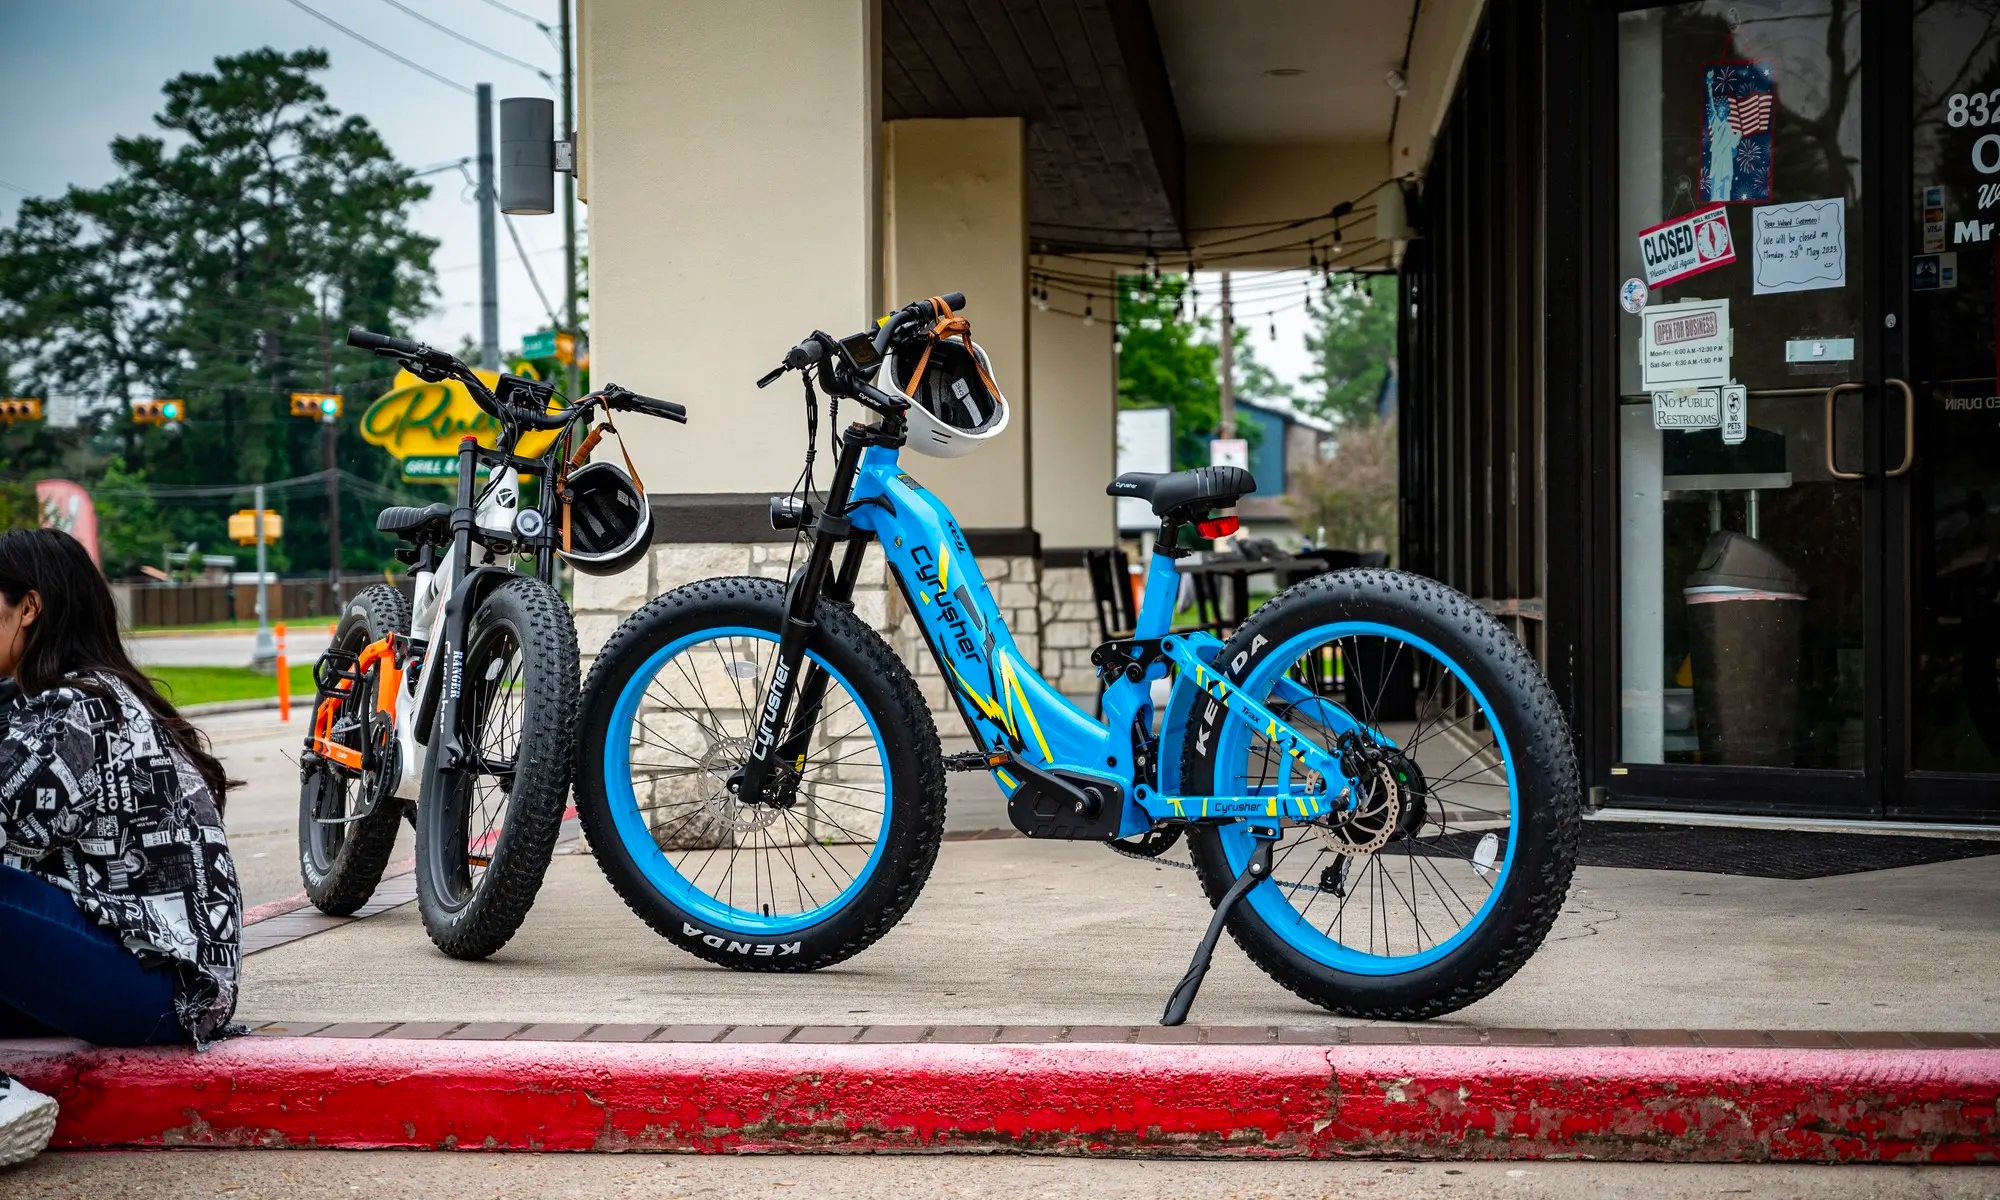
{"x": 1885, "y": 787}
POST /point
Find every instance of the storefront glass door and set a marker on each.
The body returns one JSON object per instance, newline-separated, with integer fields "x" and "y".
{"x": 1808, "y": 215}
{"x": 1744, "y": 538}
{"x": 1949, "y": 499}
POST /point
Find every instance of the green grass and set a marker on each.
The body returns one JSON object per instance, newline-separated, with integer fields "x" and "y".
{"x": 249, "y": 626}
{"x": 183, "y": 686}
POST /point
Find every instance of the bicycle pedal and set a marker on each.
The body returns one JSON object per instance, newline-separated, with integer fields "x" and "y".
{"x": 976, "y": 760}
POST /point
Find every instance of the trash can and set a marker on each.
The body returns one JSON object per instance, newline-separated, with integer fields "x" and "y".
{"x": 1745, "y": 614}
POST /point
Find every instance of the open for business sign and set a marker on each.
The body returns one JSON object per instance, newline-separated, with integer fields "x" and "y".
{"x": 1687, "y": 245}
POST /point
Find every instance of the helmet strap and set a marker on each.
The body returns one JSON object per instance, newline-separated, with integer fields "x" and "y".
{"x": 950, "y": 325}
{"x": 576, "y": 460}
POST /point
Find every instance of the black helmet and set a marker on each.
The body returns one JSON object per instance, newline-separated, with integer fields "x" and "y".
{"x": 609, "y": 523}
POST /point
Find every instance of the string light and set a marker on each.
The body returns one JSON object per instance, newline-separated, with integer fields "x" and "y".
{"x": 1089, "y": 318}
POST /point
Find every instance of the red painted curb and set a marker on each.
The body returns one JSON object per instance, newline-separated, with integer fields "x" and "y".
{"x": 1271, "y": 1100}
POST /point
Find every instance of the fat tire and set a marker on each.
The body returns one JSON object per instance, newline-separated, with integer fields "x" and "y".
{"x": 881, "y": 682}
{"x": 341, "y": 886}
{"x": 1545, "y": 833}
{"x": 546, "y": 633}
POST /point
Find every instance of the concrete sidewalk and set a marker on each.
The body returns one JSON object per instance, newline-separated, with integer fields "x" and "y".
{"x": 1037, "y": 933}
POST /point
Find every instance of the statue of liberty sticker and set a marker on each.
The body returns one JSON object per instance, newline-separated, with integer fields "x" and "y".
{"x": 1740, "y": 102}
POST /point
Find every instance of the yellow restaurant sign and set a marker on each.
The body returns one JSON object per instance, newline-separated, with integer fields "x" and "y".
{"x": 421, "y": 424}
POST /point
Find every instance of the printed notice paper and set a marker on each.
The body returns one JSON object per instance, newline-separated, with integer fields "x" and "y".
{"x": 1799, "y": 247}
{"x": 1686, "y": 245}
{"x": 1684, "y": 345}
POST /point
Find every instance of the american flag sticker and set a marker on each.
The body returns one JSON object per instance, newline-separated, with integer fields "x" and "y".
{"x": 1740, "y": 102}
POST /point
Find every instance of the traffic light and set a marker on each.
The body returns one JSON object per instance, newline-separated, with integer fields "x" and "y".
{"x": 19, "y": 408}
{"x": 317, "y": 406}
{"x": 157, "y": 412}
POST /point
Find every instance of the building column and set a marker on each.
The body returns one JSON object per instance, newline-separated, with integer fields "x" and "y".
{"x": 1073, "y": 454}
{"x": 731, "y": 165}
{"x": 955, "y": 219}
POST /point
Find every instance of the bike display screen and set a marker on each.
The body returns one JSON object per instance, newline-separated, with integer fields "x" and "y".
{"x": 860, "y": 349}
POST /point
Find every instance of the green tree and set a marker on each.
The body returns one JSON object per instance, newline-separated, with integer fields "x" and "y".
{"x": 1353, "y": 350}
{"x": 1166, "y": 360}
{"x": 222, "y": 266}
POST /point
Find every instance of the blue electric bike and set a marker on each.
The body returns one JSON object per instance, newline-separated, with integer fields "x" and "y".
{"x": 1376, "y": 784}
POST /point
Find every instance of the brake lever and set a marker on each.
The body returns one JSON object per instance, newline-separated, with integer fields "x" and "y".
{"x": 771, "y": 378}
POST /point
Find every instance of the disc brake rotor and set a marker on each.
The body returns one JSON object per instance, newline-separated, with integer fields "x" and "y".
{"x": 1377, "y": 809}
{"x": 724, "y": 758}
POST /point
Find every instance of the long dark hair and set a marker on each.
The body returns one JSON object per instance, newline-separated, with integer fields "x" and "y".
{"x": 77, "y": 635}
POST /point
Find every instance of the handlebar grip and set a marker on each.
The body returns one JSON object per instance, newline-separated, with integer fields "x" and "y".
{"x": 666, "y": 410}
{"x": 953, "y": 300}
{"x": 805, "y": 354}
{"x": 361, "y": 339}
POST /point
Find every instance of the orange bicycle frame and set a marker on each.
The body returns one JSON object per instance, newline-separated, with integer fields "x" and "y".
{"x": 382, "y": 653}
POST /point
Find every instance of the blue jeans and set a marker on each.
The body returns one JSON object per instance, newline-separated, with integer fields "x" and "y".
{"x": 63, "y": 975}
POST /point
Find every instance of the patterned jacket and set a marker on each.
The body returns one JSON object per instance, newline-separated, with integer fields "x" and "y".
{"x": 95, "y": 799}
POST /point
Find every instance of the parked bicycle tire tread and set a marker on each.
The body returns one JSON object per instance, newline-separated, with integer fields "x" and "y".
{"x": 880, "y": 681}
{"x": 341, "y": 884}
{"x": 1545, "y": 833}
{"x": 546, "y": 635}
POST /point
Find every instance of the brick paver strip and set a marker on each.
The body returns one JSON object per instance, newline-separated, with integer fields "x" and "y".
{"x": 1948, "y": 1041}
{"x": 621, "y": 1033}
{"x": 1165, "y": 1035}
{"x": 1660, "y": 1037}
{"x": 886, "y": 1035}
{"x": 964, "y": 1034}
{"x": 355, "y": 1029}
{"x": 1449, "y": 1035}
{"x": 1327, "y": 1101}
{"x": 1029, "y": 1033}
{"x": 825, "y": 1035}
{"x": 1308, "y": 1035}
{"x": 289, "y": 1028}
{"x": 1380, "y": 1035}
{"x": 1589, "y": 1037}
{"x": 1733, "y": 1037}
{"x": 486, "y": 1031}
{"x": 1100, "y": 1033}
{"x": 1232, "y": 1035}
{"x": 689, "y": 1033}
{"x": 551, "y": 1032}
{"x": 1806, "y": 1039}
{"x": 422, "y": 1030}
{"x": 1521, "y": 1037}
{"x": 1877, "y": 1040}
{"x": 759, "y": 1033}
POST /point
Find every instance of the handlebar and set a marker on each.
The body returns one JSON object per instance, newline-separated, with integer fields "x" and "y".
{"x": 628, "y": 401}
{"x": 361, "y": 339}
{"x": 922, "y": 310}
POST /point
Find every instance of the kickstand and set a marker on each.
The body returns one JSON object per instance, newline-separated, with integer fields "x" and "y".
{"x": 1253, "y": 874}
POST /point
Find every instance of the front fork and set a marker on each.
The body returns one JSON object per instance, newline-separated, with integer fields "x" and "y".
{"x": 770, "y": 775}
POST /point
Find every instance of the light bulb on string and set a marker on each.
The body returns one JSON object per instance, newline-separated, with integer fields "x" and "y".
{"x": 1274, "y": 329}
{"x": 1089, "y": 318}
{"x": 1312, "y": 259}
{"x": 1336, "y": 235}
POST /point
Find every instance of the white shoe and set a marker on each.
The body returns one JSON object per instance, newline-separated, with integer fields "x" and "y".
{"x": 27, "y": 1120}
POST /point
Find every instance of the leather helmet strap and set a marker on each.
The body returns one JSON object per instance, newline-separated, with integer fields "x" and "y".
{"x": 949, "y": 325}
{"x": 576, "y": 460}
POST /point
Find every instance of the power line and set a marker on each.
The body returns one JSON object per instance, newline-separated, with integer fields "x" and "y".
{"x": 448, "y": 31}
{"x": 302, "y": 6}
{"x": 535, "y": 21}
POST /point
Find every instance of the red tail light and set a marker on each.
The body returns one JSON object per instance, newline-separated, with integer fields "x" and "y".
{"x": 1219, "y": 527}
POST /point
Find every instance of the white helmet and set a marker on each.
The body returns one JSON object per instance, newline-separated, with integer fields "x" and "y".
{"x": 955, "y": 406}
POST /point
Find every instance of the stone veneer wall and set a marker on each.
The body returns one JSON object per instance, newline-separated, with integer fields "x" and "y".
{"x": 1049, "y": 610}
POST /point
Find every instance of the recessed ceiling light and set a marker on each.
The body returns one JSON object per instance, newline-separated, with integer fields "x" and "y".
{"x": 1285, "y": 72}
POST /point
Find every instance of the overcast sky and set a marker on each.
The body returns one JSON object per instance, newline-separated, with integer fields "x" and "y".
{"x": 80, "y": 72}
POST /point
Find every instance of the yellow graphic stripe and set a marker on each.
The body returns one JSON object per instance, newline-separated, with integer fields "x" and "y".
{"x": 944, "y": 570}
{"x": 1013, "y": 683}
{"x": 987, "y": 707}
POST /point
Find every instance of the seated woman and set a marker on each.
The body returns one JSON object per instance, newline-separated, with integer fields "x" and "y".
{"x": 120, "y": 917}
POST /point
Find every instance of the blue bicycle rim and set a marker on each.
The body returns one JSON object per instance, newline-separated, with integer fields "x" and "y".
{"x": 638, "y": 838}
{"x": 1269, "y": 900}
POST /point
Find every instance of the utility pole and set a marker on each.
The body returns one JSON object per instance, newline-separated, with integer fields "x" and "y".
{"x": 1228, "y": 362}
{"x": 489, "y": 255}
{"x": 266, "y": 652}
{"x": 572, "y": 371}
{"x": 330, "y": 432}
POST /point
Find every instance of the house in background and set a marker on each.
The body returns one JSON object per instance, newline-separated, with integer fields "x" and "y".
{"x": 1284, "y": 441}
